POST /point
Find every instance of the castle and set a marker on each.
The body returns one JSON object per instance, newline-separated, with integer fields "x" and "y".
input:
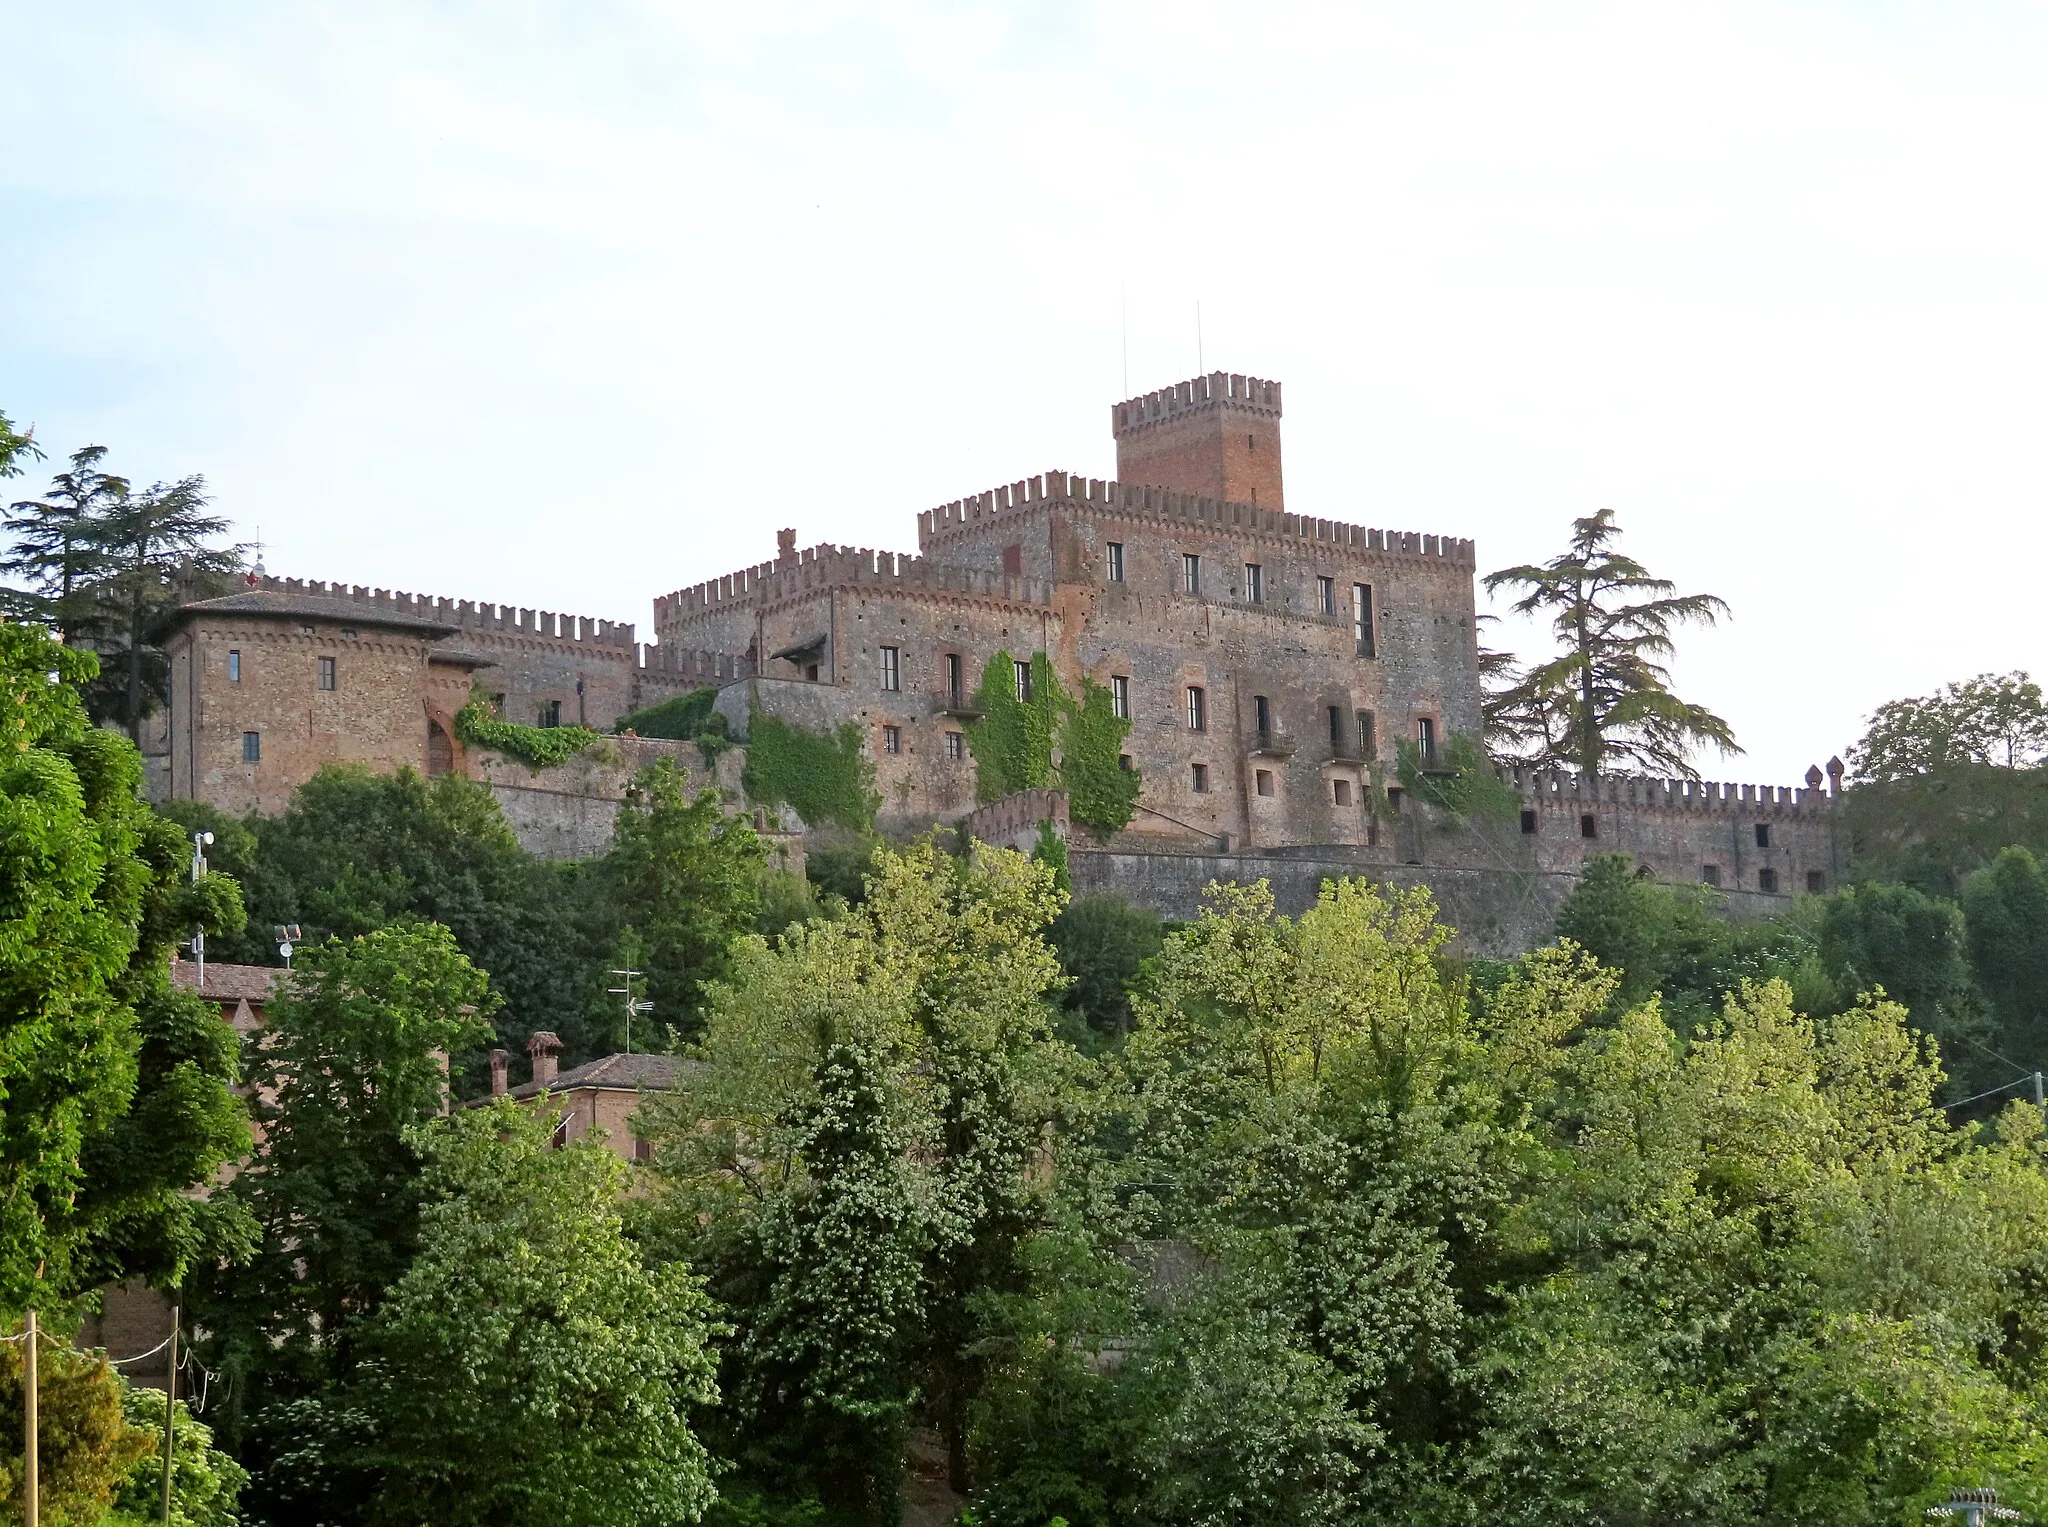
{"x": 1271, "y": 665}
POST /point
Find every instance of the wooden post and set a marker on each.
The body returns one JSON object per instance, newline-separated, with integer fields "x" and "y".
{"x": 170, "y": 1409}
{"x": 33, "y": 1491}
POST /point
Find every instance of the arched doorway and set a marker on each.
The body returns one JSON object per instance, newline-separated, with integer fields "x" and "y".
{"x": 440, "y": 750}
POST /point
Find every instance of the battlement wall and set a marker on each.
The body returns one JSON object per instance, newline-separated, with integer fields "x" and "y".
{"x": 1213, "y": 390}
{"x": 694, "y": 670}
{"x": 965, "y": 515}
{"x": 828, "y": 566}
{"x": 469, "y": 614}
{"x": 1012, "y": 821}
{"x": 1556, "y": 790}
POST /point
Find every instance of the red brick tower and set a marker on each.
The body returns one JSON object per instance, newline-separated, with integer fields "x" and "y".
{"x": 1217, "y": 435}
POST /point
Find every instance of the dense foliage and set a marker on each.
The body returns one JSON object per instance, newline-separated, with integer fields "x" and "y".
{"x": 680, "y": 717}
{"x": 1045, "y": 737}
{"x": 826, "y": 778}
{"x": 1460, "y": 780}
{"x": 538, "y": 747}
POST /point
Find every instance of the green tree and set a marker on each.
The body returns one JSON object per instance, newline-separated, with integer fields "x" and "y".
{"x": 1605, "y": 701}
{"x": 2005, "y": 909}
{"x": 1996, "y": 720}
{"x": 58, "y": 544}
{"x": 526, "y": 1368}
{"x": 206, "y": 1484}
{"x": 96, "y": 1052}
{"x": 357, "y": 851}
{"x": 87, "y": 1446}
{"x": 1912, "y": 948}
{"x": 16, "y": 446}
{"x": 685, "y": 878}
{"x": 1102, "y": 941}
{"x": 854, "y": 1168}
{"x": 157, "y": 553}
{"x": 349, "y": 1063}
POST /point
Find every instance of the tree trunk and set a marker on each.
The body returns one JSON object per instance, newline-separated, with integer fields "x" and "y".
{"x": 135, "y": 658}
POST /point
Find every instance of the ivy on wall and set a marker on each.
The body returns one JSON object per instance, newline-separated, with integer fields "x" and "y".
{"x": 1462, "y": 782}
{"x": 1015, "y": 741}
{"x": 679, "y": 718}
{"x": 824, "y": 776}
{"x": 538, "y": 747}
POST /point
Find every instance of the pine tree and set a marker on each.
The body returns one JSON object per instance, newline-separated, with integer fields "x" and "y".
{"x": 59, "y": 544}
{"x": 1605, "y": 700}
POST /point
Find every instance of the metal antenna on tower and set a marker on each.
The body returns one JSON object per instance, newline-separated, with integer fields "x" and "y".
{"x": 1200, "y": 364}
{"x": 632, "y": 1007}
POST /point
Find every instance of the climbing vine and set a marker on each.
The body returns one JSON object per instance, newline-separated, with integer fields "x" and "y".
{"x": 678, "y": 718}
{"x": 1462, "y": 783}
{"x": 825, "y": 776}
{"x": 1015, "y": 740}
{"x": 1051, "y": 851}
{"x": 539, "y": 747}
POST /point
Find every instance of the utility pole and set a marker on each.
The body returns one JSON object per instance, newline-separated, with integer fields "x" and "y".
{"x": 170, "y": 1410}
{"x": 33, "y": 1480}
{"x": 632, "y": 1007}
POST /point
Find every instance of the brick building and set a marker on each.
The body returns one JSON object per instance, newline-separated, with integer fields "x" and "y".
{"x": 1272, "y": 665}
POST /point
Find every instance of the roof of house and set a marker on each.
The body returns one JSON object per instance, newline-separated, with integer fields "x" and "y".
{"x": 311, "y": 607}
{"x": 228, "y": 983}
{"x": 631, "y": 1073}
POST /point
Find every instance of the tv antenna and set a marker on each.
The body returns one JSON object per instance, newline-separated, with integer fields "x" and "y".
{"x": 632, "y": 1006}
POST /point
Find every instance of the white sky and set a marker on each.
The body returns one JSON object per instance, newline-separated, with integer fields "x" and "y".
{"x": 567, "y": 305}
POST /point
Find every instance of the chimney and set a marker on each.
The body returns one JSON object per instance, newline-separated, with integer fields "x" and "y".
{"x": 785, "y": 546}
{"x": 501, "y": 1069}
{"x": 1835, "y": 772}
{"x": 544, "y": 1047}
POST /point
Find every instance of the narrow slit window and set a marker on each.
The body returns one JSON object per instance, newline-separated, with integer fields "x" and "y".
{"x": 953, "y": 679}
{"x": 1337, "y": 728}
{"x": 1116, "y": 562}
{"x": 1023, "y": 680}
{"x": 1254, "y": 583}
{"x": 327, "y": 673}
{"x": 1120, "y": 696}
{"x": 892, "y": 668}
{"x": 1361, "y": 619}
{"x": 1326, "y": 596}
{"x": 1198, "y": 710}
{"x": 234, "y": 666}
{"x": 1425, "y": 740}
{"x": 1190, "y": 572}
{"x": 1368, "y": 735}
{"x": 1262, "y": 708}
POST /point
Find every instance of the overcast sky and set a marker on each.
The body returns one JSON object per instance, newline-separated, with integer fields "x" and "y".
{"x": 568, "y": 305}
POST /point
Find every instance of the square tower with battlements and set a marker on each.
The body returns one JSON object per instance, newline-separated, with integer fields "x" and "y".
{"x": 1216, "y": 436}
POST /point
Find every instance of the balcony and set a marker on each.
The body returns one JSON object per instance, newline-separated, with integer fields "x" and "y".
{"x": 955, "y": 703}
{"x": 1274, "y": 742}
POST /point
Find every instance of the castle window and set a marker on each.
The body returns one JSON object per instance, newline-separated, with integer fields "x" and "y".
{"x": 1368, "y": 735}
{"x": 1190, "y": 573}
{"x": 1767, "y": 880}
{"x": 1710, "y": 874}
{"x": 1265, "y": 781}
{"x": 1529, "y": 823}
{"x": 1198, "y": 710}
{"x": 1023, "y": 681}
{"x": 252, "y": 747}
{"x": 956, "y": 746}
{"x": 1013, "y": 560}
{"x": 1120, "y": 696}
{"x": 1254, "y": 583}
{"x": 551, "y": 713}
{"x": 811, "y": 673}
{"x": 1588, "y": 827}
{"x": 440, "y": 751}
{"x": 234, "y": 666}
{"x": 1123, "y": 762}
{"x": 1394, "y": 794}
{"x": 1336, "y": 729}
{"x": 1116, "y": 562}
{"x": 327, "y": 673}
{"x": 1262, "y": 708}
{"x": 1201, "y": 779}
{"x": 1251, "y": 442}
{"x": 953, "y": 680}
{"x": 1816, "y": 882}
{"x": 1341, "y": 791}
{"x": 1763, "y": 835}
{"x": 1425, "y": 741}
{"x": 892, "y": 739}
{"x": 1361, "y": 619}
{"x": 892, "y": 668}
{"x": 1326, "y": 596}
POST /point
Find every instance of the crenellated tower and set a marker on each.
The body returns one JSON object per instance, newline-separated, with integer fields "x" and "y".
{"x": 1217, "y": 436}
